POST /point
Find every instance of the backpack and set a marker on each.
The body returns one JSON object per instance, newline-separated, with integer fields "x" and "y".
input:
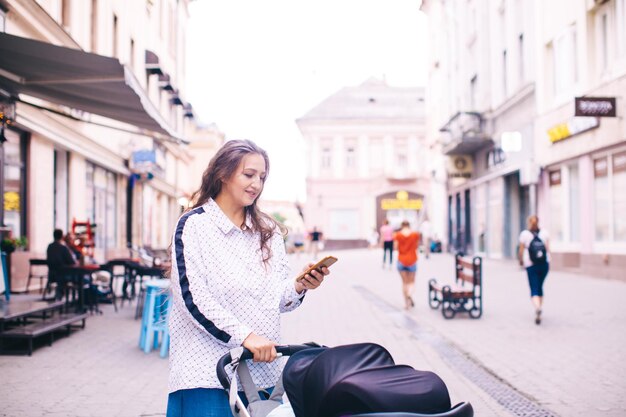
{"x": 537, "y": 250}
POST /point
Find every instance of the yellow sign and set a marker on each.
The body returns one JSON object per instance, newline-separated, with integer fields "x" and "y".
{"x": 11, "y": 201}
{"x": 400, "y": 204}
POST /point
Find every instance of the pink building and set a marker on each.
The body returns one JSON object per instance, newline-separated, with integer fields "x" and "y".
{"x": 367, "y": 160}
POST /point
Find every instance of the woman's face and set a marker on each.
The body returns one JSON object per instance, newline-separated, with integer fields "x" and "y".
{"x": 246, "y": 183}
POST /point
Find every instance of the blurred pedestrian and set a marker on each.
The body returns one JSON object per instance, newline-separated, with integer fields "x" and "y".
{"x": 230, "y": 281}
{"x": 70, "y": 242}
{"x": 58, "y": 256}
{"x": 386, "y": 238}
{"x": 316, "y": 242}
{"x": 298, "y": 242}
{"x": 534, "y": 255}
{"x": 407, "y": 242}
{"x": 373, "y": 239}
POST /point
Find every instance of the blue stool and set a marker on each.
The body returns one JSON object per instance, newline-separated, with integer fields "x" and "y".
{"x": 156, "y": 308}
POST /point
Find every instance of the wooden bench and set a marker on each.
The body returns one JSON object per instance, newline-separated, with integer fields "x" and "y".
{"x": 40, "y": 328}
{"x": 465, "y": 295}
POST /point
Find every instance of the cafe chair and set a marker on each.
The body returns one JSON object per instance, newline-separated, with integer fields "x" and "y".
{"x": 141, "y": 272}
{"x": 37, "y": 268}
{"x": 156, "y": 308}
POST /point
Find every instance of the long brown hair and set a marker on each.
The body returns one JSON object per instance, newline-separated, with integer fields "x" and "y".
{"x": 221, "y": 168}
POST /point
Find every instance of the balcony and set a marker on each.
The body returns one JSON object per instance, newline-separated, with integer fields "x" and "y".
{"x": 464, "y": 134}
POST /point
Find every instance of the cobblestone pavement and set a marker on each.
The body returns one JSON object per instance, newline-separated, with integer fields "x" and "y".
{"x": 505, "y": 365}
{"x": 573, "y": 364}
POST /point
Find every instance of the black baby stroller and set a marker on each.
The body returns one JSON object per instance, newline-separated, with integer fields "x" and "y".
{"x": 359, "y": 380}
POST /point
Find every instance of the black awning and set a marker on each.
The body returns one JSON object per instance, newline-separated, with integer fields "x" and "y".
{"x": 77, "y": 79}
{"x": 152, "y": 63}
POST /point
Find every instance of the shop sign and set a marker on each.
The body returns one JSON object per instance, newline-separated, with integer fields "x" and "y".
{"x": 11, "y": 201}
{"x": 572, "y": 127}
{"x": 401, "y": 202}
{"x": 595, "y": 106}
{"x": 460, "y": 166}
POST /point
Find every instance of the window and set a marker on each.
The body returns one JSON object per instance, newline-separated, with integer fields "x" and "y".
{"x": 326, "y": 158}
{"x": 61, "y": 187}
{"x": 473, "y": 91}
{"x": 619, "y": 197}
{"x": 115, "y": 34}
{"x": 3, "y": 18}
{"x": 556, "y": 205}
{"x": 574, "y": 203}
{"x": 14, "y": 187}
{"x": 132, "y": 53}
{"x": 94, "y": 26}
{"x": 520, "y": 43}
{"x": 565, "y": 61}
{"x": 65, "y": 13}
{"x": 601, "y": 198}
{"x": 620, "y": 24}
{"x": 350, "y": 158}
{"x": 504, "y": 69}
{"x": 604, "y": 40}
{"x": 101, "y": 203}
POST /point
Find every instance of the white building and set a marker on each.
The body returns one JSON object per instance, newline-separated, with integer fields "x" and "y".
{"x": 581, "y": 52}
{"x": 512, "y": 70}
{"x": 481, "y": 101}
{"x": 368, "y": 160}
{"x": 100, "y": 119}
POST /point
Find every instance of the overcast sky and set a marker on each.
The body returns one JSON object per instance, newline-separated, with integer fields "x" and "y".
{"x": 253, "y": 67}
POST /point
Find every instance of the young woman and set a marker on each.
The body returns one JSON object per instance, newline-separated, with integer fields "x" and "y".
{"x": 407, "y": 242}
{"x": 230, "y": 282}
{"x": 536, "y": 263}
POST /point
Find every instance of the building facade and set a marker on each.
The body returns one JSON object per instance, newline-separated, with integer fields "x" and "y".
{"x": 368, "y": 160}
{"x": 502, "y": 98}
{"x": 64, "y": 163}
{"x": 581, "y": 52}
{"x": 481, "y": 97}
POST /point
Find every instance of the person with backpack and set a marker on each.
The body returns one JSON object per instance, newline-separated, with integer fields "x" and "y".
{"x": 534, "y": 256}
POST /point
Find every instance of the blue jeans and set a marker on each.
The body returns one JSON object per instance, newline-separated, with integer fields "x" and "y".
{"x": 536, "y": 276}
{"x": 198, "y": 402}
{"x": 388, "y": 247}
{"x": 403, "y": 267}
{"x": 201, "y": 402}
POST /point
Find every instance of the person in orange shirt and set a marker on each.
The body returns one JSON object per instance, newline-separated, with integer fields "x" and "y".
{"x": 407, "y": 242}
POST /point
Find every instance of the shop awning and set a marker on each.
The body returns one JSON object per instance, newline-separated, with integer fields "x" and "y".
{"x": 80, "y": 80}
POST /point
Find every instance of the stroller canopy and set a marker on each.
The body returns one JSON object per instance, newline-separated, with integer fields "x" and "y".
{"x": 359, "y": 378}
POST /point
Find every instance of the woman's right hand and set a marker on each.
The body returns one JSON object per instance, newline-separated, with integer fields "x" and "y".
{"x": 262, "y": 348}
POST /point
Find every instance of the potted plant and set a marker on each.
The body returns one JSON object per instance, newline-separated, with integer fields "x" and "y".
{"x": 8, "y": 245}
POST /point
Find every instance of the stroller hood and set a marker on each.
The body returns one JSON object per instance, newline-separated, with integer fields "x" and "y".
{"x": 359, "y": 378}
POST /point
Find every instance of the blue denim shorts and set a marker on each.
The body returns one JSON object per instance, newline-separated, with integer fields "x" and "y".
{"x": 410, "y": 268}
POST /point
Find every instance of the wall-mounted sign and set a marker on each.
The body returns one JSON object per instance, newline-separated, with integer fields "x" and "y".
{"x": 595, "y": 106}
{"x": 572, "y": 127}
{"x": 460, "y": 166}
{"x": 401, "y": 202}
{"x": 511, "y": 141}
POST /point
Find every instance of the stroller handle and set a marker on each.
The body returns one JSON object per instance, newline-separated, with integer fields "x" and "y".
{"x": 284, "y": 350}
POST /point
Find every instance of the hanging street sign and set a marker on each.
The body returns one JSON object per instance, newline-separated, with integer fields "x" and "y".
{"x": 595, "y": 106}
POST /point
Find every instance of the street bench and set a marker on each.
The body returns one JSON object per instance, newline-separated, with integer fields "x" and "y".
{"x": 43, "y": 327}
{"x": 465, "y": 295}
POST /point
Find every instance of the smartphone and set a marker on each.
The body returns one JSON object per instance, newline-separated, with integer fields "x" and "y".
{"x": 327, "y": 261}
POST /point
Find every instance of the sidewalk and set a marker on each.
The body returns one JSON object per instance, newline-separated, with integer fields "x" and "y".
{"x": 571, "y": 365}
{"x": 505, "y": 365}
